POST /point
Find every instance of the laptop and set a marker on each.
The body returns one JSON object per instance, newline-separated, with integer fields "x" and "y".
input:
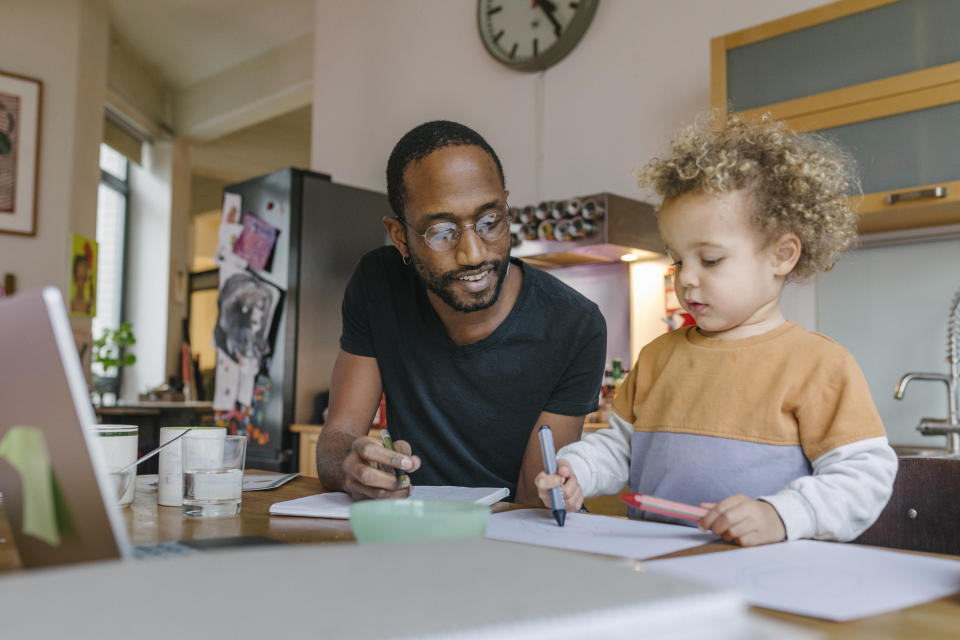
{"x": 42, "y": 387}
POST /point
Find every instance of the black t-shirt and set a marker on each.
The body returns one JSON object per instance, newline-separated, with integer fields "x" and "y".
{"x": 468, "y": 410}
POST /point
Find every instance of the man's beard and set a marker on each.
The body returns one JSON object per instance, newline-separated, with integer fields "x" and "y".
{"x": 442, "y": 284}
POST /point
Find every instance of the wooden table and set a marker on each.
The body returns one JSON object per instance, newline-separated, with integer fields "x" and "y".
{"x": 148, "y": 522}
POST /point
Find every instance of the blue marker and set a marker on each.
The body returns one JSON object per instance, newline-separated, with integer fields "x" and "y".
{"x": 549, "y": 454}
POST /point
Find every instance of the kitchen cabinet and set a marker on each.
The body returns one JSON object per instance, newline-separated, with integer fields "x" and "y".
{"x": 881, "y": 78}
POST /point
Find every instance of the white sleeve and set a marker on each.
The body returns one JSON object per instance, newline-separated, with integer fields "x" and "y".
{"x": 601, "y": 460}
{"x": 849, "y": 488}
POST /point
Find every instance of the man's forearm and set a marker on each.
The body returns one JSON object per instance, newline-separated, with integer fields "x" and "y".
{"x": 526, "y": 489}
{"x": 333, "y": 447}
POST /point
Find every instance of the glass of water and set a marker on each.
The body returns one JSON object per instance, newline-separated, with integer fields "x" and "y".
{"x": 213, "y": 475}
{"x": 118, "y": 448}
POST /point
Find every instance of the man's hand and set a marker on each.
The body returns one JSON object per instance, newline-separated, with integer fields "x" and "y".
{"x": 743, "y": 521}
{"x": 369, "y": 469}
{"x": 572, "y": 494}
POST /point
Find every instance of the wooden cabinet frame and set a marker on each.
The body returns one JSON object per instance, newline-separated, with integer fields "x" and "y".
{"x": 926, "y": 88}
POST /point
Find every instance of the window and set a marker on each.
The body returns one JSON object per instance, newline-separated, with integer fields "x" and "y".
{"x": 112, "y": 208}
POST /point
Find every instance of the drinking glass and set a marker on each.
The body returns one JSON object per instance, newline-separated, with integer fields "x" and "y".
{"x": 118, "y": 448}
{"x": 213, "y": 475}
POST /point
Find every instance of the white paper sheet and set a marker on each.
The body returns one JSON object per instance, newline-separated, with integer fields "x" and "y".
{"x": 265, "y": 481}
{"x": 227, "y": 383}
{"x": 229, "y": 231}
{"x": 831, "y": 580}
{"x": 245, "y": 381}
{"x": 598, "y": 534}
{"x": 336, "y": 504}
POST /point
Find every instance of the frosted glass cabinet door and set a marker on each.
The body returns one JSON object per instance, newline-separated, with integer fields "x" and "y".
{"x": 905, "y": 150}
{"x": 889, "y": 40}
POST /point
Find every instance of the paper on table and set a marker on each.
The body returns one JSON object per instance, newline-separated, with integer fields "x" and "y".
{"x": 831, "y": 580}
{"x": 337, "y": 504}
{"x": 598, "y": 534}
{"x": 263, "y": 481}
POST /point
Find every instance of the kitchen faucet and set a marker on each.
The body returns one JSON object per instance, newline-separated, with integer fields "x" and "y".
{"x": 950, "y": 426}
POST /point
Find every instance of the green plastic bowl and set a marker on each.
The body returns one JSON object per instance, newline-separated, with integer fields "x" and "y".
{"x": 404, "y": 520}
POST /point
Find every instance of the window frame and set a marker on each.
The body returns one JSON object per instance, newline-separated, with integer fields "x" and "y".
{"x": 122, "y": 186}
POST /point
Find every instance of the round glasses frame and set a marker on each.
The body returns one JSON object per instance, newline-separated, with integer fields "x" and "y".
{"x": 435, "y": 238}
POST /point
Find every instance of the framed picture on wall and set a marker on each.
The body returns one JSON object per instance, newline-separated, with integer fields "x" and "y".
{"x": 19, "y": 152}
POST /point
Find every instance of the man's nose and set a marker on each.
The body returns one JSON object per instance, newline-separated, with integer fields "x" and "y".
{"x": 471, "y": 249}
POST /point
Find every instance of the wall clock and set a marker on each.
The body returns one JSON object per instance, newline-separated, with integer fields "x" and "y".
{"x": 531, "y": 35}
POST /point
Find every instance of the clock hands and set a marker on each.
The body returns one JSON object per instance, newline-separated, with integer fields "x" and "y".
{"x": 550, "y": 9}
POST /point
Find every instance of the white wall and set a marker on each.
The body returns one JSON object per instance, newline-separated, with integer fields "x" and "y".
{"x": 63, "y": 43}
{"x": 888, "y": 306}
{"x": 607, "y": 284}
{"x": 642, "y": 70}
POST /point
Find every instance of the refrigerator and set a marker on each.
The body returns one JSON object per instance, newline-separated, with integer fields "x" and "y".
{"x": 323, "y": 229}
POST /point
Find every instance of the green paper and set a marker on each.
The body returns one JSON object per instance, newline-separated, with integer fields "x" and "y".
{"x": 45, "y": 513}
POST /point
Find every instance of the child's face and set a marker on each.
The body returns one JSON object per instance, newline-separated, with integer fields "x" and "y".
{"x": 726, "y": 277}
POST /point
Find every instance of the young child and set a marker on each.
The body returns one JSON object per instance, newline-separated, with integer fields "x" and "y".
{"x": 769, "y": 426}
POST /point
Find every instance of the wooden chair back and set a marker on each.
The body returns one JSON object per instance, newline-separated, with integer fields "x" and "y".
{"x": 924, "y": 511}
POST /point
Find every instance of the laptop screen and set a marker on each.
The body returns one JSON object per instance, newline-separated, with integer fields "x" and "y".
{"x": 44, "y": 407}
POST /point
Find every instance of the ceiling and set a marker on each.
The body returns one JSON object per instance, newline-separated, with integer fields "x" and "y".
{"x": 188, "y": 41}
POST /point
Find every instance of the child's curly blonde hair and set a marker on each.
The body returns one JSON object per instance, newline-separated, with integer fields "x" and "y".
{"x": 797, "y": 183}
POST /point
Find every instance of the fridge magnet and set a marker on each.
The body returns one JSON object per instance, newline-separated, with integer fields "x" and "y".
{"x": 235, "y": 420}
{"x": 83, "y": 276}
{"x": 256, "y": 241}
{"x": 246, "y": 305}
{"x": 19, "y": 153}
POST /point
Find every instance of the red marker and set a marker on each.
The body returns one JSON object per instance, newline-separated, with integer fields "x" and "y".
{"x": 664, "y": 507}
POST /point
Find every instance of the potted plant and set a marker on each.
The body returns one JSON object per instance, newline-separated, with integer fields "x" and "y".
{"x": 109, "y": 351}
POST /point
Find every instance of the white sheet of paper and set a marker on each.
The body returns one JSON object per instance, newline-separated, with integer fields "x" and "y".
{"x": 264, "y": 481}
{"x": 336, "y": 504}
{"x": 226, "y": 236}
{"x": 598, "y": 534}
{"x": 245, "y": 383}
{"x": 227, "y": 382}
{"x": 833, "y": 580}
{"x": 229, "y": 231}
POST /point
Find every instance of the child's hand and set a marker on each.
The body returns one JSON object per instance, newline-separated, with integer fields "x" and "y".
{"x": 744, "y": 521}
{"x": 572, "y": 494}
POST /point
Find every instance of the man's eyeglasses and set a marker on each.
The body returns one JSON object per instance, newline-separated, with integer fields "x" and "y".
{"x": 444, "y": 236}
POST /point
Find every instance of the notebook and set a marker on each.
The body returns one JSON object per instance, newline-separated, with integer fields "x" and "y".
{"x": 58, "y": 500}
{"x": 336, "y": 504}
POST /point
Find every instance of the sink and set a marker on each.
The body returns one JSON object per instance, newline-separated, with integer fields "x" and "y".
{"x": 917, "y": 451}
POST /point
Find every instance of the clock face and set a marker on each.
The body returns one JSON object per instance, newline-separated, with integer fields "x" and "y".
{"x": 530, "y": 35}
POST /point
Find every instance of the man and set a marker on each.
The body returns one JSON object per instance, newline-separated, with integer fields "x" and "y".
{"x": 474, "y": 350}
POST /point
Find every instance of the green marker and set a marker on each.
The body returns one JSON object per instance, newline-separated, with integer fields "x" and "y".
{"x": 388, "y": 443}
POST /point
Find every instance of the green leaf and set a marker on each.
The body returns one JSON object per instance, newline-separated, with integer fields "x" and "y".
{"x": 6, "y": 145}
